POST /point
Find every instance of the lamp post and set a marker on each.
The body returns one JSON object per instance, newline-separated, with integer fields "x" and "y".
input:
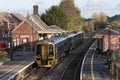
{"x": 32, "y": 37}
{"x": 10, "y": 44}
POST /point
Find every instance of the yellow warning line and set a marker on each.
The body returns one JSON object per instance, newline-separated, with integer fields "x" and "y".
{"x": 92, "y": 72}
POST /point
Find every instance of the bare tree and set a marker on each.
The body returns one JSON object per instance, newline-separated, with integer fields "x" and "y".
{"x": 103, "y": 17}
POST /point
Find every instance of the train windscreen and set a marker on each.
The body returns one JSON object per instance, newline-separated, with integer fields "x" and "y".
{"x": 39, "y": 50}
{"x": 44, "y": 50}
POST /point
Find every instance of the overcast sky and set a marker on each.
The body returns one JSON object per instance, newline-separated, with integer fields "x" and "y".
{"x": 87, "y": 7}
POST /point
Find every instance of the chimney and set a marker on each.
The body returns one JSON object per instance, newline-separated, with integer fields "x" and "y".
{"x": 35, "y": 10}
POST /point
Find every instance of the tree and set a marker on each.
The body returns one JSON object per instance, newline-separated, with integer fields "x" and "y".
{"x": 103, "y": 17}
{"x": 75, "y": 21}
{"x": 96, "y": 17}
{"x": 88, "y": 28}
{"x": 55, "y": 16}
{"x": 100, "y": 20}
{"x": 115, "y": 25}
{"x": 108, "y": 53}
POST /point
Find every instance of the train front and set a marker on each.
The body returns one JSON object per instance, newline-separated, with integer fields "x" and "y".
{"x": 45, "y": 54}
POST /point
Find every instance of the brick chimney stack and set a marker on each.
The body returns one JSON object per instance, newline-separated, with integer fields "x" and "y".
{"x": 35, "y": 10}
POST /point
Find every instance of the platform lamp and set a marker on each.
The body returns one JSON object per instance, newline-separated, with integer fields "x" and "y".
{"x": 10, "y": 41}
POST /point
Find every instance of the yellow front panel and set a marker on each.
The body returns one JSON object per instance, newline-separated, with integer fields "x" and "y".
{"x": 45, "y": 55}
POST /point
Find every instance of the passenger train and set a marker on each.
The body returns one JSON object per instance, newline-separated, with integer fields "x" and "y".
{"x": 48, "y": 52}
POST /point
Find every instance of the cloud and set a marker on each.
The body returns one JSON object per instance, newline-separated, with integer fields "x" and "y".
{"x": 115, "y": 10}
{"x": 46, "y": 4}
{"x": 87, "y": 7}
{"x": 98, "y": 6}
{"x": 43, "y": 6}
{"x": 117, "y": 6}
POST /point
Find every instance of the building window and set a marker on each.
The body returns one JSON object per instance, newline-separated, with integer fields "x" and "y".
{"x": 16, "y": 42}
{"x": 25, "y": 40}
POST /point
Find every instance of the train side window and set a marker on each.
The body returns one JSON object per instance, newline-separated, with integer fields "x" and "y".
{"x": 50, "y": 50}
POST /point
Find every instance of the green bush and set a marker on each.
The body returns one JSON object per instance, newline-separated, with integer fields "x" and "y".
{"x": 3, "y": 54}
{"x": 108, "y": 53}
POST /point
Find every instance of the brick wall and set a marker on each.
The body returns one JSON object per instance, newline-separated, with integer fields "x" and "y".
{"x": 24, "y": 31}
{"x": 0, "y": 32}
{"x": 113, "y": 39}
{"x": 1, "y": 29}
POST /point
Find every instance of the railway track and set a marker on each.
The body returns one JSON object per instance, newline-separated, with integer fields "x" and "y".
{"x": 72, "y": 70}
{"x": 34, "y": 74}
{"x": 66, "y": 69}
{"x": 12, "y": 68}
{"x": 39, "y": 73}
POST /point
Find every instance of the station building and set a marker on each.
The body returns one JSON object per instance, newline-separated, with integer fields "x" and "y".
{"x": 21, "y": 30}
{"x": 110, "y": 39}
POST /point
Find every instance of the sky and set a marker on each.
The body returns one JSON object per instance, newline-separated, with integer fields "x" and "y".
{"x": 87, "y": 7}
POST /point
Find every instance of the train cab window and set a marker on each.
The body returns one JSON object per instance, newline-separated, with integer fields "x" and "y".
{"x": 50, "y": 50}
{"x": 39, "y": 50}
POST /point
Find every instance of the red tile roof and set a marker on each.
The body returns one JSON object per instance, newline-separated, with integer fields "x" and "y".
{"x": 11, "y": 17}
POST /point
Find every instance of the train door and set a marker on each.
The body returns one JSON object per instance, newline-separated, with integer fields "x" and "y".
{"x": 47, "y": 51}
{"x": 44, "y": 51}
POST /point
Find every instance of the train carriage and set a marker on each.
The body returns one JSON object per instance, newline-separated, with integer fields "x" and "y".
{"x": 75, "y": 38}
{"x": 49, "y": 51}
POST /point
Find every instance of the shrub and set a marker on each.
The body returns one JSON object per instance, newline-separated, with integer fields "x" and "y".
{"x": 3, "y": 54}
